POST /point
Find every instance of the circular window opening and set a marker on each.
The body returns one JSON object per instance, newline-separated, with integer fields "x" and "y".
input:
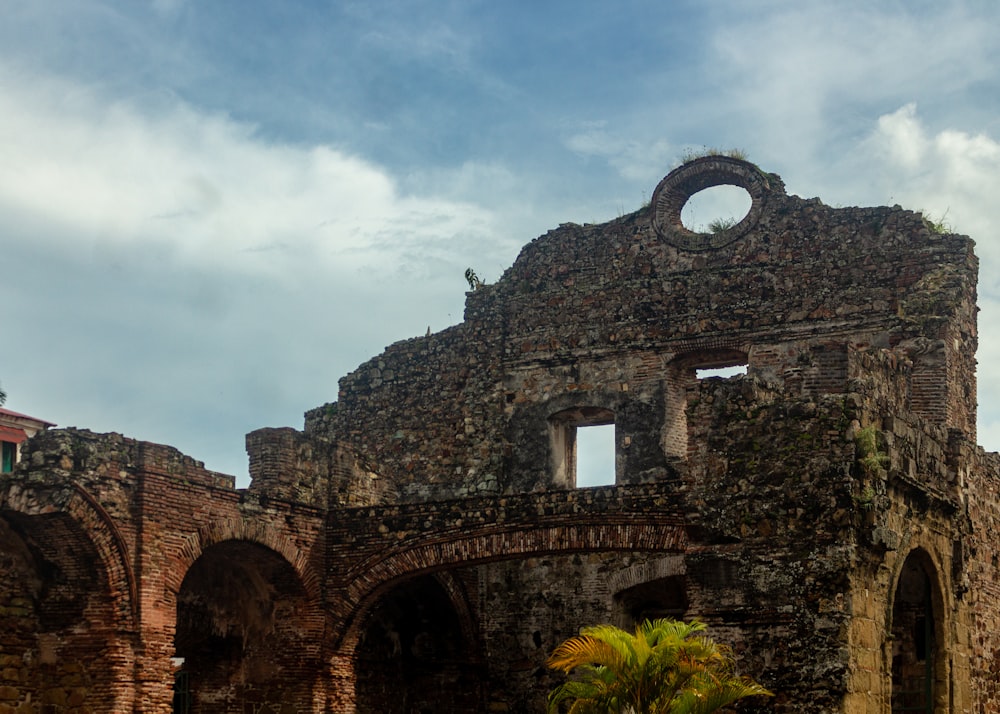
{"x": 716, "y": 209}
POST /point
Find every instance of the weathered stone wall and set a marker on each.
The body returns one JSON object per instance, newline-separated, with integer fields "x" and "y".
{"x": 425, "y": 402}
{"x": 532, "y": 605}
{"x": 980, "y": 577}
{"x": 769, "y": 487}
{"x": 596, "y": 315}
{"x": 421, "y": 546}
{"x": 777, "y": 509}
{"x": 291, "y": 466}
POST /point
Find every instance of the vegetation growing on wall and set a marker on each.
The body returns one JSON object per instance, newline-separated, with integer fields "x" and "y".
{"x": 692, "y": 154}
{"x": 870, "y": 456}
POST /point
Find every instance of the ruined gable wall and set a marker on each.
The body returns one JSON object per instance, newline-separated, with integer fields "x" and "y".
{"x": 596, "y": 315}
{"x": 804, "y": 268}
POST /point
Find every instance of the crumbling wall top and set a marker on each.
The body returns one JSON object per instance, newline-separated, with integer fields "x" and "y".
{"x": 618, "y": 316}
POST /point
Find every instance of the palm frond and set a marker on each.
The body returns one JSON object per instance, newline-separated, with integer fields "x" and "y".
{"x": 708, "y": 699}
{"x": 583, "y": 650}
{"x": 664, "y": 667}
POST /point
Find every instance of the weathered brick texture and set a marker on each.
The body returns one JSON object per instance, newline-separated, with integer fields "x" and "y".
{"x": 420, "y": 546}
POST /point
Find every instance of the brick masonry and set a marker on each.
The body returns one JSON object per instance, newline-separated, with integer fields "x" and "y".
{"x": 420, "y": 546}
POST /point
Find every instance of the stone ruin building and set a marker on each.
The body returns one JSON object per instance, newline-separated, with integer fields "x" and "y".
{"x": 421, "y": 545}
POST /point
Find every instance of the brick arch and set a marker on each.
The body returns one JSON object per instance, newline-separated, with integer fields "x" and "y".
{"x": 242, "y": 529}
{"x": 719, "y": 352}
{"x": 70, "y": 527}
{"x": 658, "y": 569}
{"x": 372, "y": 577}
{"x": 245, "y": 626}
{"x": 98, "y": 526}
{"x": 683, "y": 182}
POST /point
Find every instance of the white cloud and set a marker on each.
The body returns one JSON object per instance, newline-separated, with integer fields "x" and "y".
{"x": 903, "y": 138}
{"x": 206, "y": 188}
{"x": 950, "y": 174}
{"x": 190, "y": 281}
{"x": 954, "y": 176}
{"x": 633, "y": 159}
{"x": 805, "y": 77}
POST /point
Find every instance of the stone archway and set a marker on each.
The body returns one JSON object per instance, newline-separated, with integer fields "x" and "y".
{"x": 919, "y": 653}
{"x": 245, "y": 638}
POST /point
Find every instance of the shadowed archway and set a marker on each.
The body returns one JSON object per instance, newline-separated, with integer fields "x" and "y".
{"x": 919, "y": 665}
{"x": 417, "y": 652}
{"x": 60, "y": 632}
{"x": 245, "y": 639}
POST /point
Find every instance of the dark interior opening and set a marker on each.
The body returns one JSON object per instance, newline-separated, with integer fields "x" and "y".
{"x": 413, "y": 655}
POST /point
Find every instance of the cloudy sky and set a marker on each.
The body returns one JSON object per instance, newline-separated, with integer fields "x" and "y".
{"x": 212, "y": 210}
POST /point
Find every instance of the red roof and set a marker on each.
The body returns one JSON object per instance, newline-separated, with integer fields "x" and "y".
{"x": 9, "y": 433}
{"x": 8, "y": 412}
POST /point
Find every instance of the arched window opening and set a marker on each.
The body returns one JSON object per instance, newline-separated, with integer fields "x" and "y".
{"x": 915, "y": 647}
{"x": 583, "y": 447}
{"x": 413, "y": 655}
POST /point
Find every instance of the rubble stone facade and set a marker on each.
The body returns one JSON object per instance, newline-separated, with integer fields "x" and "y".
{"x": 421, "y": 545}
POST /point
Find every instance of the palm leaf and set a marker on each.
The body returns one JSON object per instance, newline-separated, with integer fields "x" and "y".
{"x": 582, "y": 650}
{"x": 664, "y": 667}
{"x": 710, "y": 698}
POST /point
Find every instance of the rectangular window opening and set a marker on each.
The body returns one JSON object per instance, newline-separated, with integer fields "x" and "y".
{"x": 595, "y": 455}
{"x": 723, "y": 372}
